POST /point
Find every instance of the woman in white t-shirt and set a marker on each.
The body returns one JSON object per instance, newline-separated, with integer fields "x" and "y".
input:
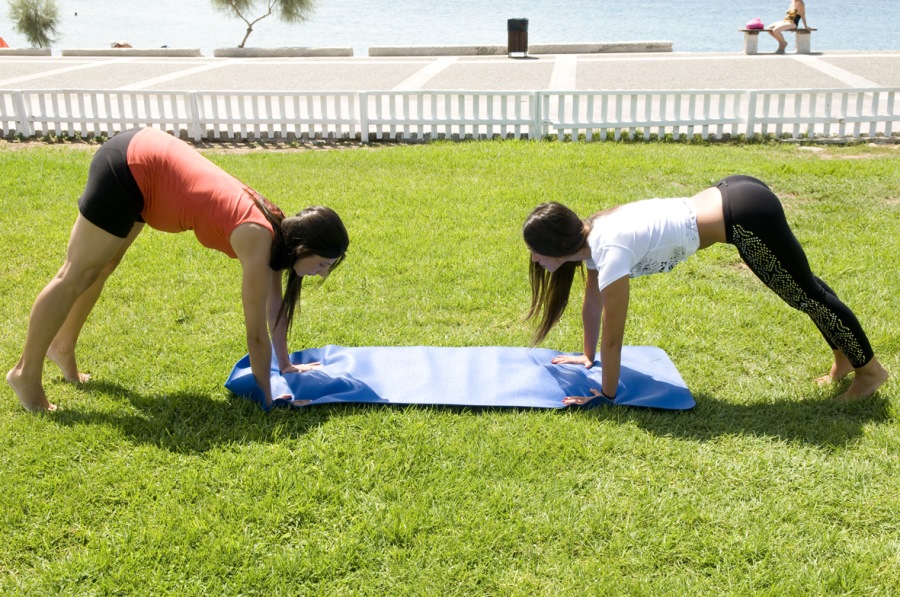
{"x": 653, "y": 236}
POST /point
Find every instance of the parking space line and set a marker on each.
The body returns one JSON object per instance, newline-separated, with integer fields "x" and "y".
{"x": 61, "y": 71}
{"x": 423, "y": 76}
{"x": 147, "y": 83}
{"x": 835, "y": 72}
{"x": 565, "y": 69}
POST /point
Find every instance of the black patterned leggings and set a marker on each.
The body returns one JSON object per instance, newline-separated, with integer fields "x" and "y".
{"x": 756, "y": 225}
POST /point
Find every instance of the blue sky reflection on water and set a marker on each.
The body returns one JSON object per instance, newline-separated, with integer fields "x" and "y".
{"x": 692, "y": 25}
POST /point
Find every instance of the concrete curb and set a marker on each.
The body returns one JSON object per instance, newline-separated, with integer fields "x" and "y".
{"x": 150, "y": 52}
{"x": 437, "y": 51}
{"x": 24, "y": 51}
{"x": 281, "y": 52}
{"x": 602, "y": 48}
{"x": 576, "y": 48}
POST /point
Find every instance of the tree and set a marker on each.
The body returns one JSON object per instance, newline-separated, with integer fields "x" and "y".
{"x": 36, "y": 20}
{"x": 289, "y": 11}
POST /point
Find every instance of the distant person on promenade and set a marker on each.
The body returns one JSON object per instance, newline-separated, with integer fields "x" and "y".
{"x": 653, "y": 236}
{"x": 148, "y": 176}
{"x": 795, "y": 13}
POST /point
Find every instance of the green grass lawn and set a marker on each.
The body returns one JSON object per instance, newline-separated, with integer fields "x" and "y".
{"x": 152, "y": 479}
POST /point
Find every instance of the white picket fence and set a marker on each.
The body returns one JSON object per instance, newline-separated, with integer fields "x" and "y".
{"x": 423, "y": 115}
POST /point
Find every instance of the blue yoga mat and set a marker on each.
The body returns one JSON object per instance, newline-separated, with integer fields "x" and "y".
{"x": 471, "y": 376}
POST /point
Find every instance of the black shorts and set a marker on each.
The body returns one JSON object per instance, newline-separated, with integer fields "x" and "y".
{"x": 111, "y": 198}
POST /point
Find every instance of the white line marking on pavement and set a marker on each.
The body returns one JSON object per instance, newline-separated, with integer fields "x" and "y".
{"x": 418, "y": 80}
{"x": 62, "y": 71}
{"x": 565, "y": 69}
{"x": 833, "y": 71}
{"x": 145, "y": 84}
{"x": 687, "y": 56}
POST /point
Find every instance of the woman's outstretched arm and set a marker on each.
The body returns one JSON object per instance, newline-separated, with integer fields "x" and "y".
{"x": 604, "y": 312}
{"x": 277, "y": 328}
{"x": 252, "y": 243}
{"x": 801, "y": 10}
{"x": 590, "y": 315}
{"x": 614, "y": 301}
{"x": 590, "y": 321}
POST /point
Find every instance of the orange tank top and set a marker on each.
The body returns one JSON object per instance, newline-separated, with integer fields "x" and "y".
{"x": 185, "y": 191}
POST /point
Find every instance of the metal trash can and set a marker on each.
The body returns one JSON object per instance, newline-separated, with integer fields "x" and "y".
{"x": 517, "y": 43}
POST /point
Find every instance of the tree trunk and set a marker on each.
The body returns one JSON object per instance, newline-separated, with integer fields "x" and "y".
{"x": 249, "y": 31}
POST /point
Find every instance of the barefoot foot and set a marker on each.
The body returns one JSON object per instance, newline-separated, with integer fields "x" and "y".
{"x": 834, "y": 376}
{"x": 840, "y": 369}
{"x": 30, "y": 394}
{"x": 65, "y": 360}
{"x": 866, "y": 381}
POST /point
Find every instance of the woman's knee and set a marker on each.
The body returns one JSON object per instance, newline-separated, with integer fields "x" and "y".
{"x": 77, "y": 279}
{"x": 111, "y": 265}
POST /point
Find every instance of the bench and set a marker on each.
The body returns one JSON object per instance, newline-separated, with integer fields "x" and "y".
{"x": 751, "y": 39}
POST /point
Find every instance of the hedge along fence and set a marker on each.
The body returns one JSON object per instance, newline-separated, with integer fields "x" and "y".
{"x": 424, "y": 115}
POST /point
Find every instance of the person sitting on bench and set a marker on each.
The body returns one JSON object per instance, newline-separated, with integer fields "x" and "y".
{"x": 795, "y": 13}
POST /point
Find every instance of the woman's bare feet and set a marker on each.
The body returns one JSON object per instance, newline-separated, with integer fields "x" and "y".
{"x": 866, "y": 380}
{"x": 31, "y": 394}
{"x": 65, "y": 360}
{"x": 839, "y": 370}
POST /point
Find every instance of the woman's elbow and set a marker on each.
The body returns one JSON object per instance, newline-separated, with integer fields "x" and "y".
{"x": 256, "y": 340}
{"x": 611, "y": 344}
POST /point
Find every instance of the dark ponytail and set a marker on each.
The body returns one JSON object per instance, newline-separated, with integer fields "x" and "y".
{"x": 552, "y": 230}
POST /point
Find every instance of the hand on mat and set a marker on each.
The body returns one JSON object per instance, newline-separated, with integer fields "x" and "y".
{"x": 582, "y": 400}
{"x": 564, "y": 359}
{"x": 290, "y": 400}
{"x": 301, "y": 368}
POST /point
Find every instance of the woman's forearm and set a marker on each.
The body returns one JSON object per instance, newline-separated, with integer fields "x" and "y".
{"x": 261, "y": 365}
{"x": 615, "y": 311}
{"x": 277, "y": 326}
{"x": 279, "y": 343}
{"x": 590, "y": 320}
{"x": 591, "y": 307}
{"x": 611, "y": 363}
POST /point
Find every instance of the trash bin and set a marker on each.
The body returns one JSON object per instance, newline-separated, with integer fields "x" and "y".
{"x": 517, "y": 42}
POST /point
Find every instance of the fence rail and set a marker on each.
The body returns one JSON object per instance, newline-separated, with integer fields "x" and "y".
{"x": 380, "y": 115}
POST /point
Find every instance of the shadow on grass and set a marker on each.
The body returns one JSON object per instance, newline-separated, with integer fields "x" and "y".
{"x": 820, "y": 421}
{"x": 188, "y": 422}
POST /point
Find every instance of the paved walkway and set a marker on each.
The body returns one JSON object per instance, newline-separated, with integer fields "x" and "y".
{"x": 650, "y": 71}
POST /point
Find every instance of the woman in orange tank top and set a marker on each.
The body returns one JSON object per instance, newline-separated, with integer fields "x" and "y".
{"x": 147, "y": 177}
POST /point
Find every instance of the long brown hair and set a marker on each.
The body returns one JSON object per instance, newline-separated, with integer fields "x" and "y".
{"x": 552, "y": 230}
{"x": 316, "y": 230}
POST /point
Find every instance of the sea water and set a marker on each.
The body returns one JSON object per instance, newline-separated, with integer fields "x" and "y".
{"x": 691, "y": 25}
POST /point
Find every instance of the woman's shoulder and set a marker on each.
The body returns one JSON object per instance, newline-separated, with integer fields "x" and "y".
{"x": 251, "y": 240}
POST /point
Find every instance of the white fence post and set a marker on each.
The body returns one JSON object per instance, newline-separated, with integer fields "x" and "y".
{"x": 195, "y": 128}
{"x": 889, "y": 128}
{"x": 537, "y": 117}
{"x": 363, "y": 116}
{"x": 23, "y": 117}
{"x": 751, "y": 114}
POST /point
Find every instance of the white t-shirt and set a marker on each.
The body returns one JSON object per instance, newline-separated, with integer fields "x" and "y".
{"x": 645, "y": 237}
